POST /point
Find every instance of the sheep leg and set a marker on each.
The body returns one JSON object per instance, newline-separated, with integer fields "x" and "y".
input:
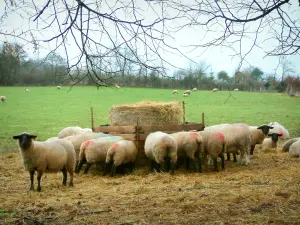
{"x": 228, "y": 156}
{"x": 79, "y": 166}
{"x": 216, "y": 165}
{"x": 187, "y": 162}
{"x": 172, "y": 167}
{"x": 234, "y": 157}
{"x": 71, "y": 179}
{"x": 223, "y": 160}
{"x": 88, "y": 165}
{"x": 113, "y": 170}
{"x": 39, "y": 176}
{"x": 31, "y": 180}
{"x": 65, "y": 175}
{"x": 106, "y": 165}
{"x": 252, "y": 150}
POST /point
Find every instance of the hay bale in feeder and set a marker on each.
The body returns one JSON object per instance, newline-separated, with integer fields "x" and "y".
{"x": 147, "y": 113}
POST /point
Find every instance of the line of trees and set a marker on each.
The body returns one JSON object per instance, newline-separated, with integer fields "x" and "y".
{"x": 17, "y": 69}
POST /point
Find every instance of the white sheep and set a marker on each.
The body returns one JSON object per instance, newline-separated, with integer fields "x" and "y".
{"x": 49, "y": 156}
{"x": 287, "y": 144}
{"x": 69, "y": 131}
{"x": 175, "y": 91}
{"x": 117, "y": 86}
{"x": 278, "y": 128}
{"x": 258, "y": 135}
{"x": 27, "y": 89}
{"x": 236, "y": 89}
{"x": 187, "y": 92}
{"x": 294, "y": 150}
{"x": 215, "y": 147}
{"x": 52, "y": 138}
{"x": 78, "y": 139}
{"x": 121, "y": 152}
{"x": 94, "y": 151}
{"x": 185, "y": 95}
{"x": 215, "y": 90}
{"x": 195, "y": 89}
{"x": 58, "y": 87}
{"x": 270, "y": 143}
{"x": 3, "y": 98}
{"x": 216, "y": 127}
{"x": 189, "y": 146}
{"x": 161, "y": 148}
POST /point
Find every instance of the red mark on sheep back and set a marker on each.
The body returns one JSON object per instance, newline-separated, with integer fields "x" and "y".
{"x": 115, "y": 145}
{"x": 194, "y": 134}
{"x": 219, "y": 135}
{"x": 86, "y": 143}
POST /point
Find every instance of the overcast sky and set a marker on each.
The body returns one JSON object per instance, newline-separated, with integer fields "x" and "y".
{"x": 219, "y": 58}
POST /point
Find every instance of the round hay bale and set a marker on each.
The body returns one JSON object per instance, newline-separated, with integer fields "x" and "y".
{"x": 147, "y": 113}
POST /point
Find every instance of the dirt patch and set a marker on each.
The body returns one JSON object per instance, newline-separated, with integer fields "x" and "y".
{"x": 266, "y": 191}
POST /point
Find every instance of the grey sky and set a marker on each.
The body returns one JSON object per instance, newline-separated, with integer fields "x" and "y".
{"x": 219, "y": 58}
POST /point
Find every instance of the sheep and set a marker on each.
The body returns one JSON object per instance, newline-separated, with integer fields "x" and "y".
{"x": 69, "y": 131}
{"x": 195, "y": 89}
{"x": 189, "y": 145}
{"x": 78, "y": 139}
{"x": 175, "y": 91}
{"x": 117, "y": 86}
{"x": 3, "y": 98}
{"x": 49, "y": 156}
{"x": 236, "y": 89}
{"x": 27, "y": 89}
{"x": 237, "y": 138}
{"x": 215, "y": 90}
{"x": 85, "y": 130}
{"x": 270, "y": 142}
{"x": 185, "y": 95}
{"x": 294, "y": 150}
{"x": 58, "y": 87}
{"x": 52, "y": 138}
{"x": 258, "y": 135}
{"x": 278, "y": 128}
{"x": 161, "y": 148}
{"x": 121, "y": 152}
{"x": 94, "y": 151}
{"x": 287, "y": 144}
{"x": 187, "y": 92}
{"x": 215, "y": 147}
{"x": 216, "y": 127}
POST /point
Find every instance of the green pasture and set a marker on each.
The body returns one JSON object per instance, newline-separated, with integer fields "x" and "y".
{"x": 45, "y": 110}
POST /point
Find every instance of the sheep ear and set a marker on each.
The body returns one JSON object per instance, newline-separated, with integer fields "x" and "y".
{"x": 16, "y": 137}
{"x": 33, "y": 136}
{"x": 269, "y": 134}
{"x": 280, "y": 134}
{"x": 271, "y": 127}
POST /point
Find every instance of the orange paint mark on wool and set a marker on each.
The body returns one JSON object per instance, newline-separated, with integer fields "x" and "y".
{"x": 194, "y": 134}
{"x": 115, "y": 145}
{"x": 220, "y": 135}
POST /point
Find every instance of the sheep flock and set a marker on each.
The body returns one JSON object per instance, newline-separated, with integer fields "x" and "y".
{"x": 75, "y": 147}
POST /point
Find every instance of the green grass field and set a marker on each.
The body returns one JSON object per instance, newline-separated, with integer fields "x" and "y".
{"x": 45, "y": 110}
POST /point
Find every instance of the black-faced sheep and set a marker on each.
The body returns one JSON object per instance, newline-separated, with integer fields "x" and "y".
{"x": 120, "y": 153}
{"x": 161, "y": 148}
{"x": 49, "y": 156}
{"x": 258, "y": 135}
{"x": 278, "y": 128}
{"x": 3, "y": 98}
{"x": 269, "y": 143}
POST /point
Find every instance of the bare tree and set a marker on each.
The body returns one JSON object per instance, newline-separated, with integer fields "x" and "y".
{"x": 98, "y": 30}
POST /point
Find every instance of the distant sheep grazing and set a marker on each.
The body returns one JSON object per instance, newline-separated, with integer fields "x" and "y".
{"x": 161, "y": 148}
{"x": 236, "y": 89}
{"x": 185, "y": 95}
{"x": 294, "y": 150}
{"x": 286, "y": 146}
{"x": 3, "y": 98}
{"x": 187, "y": 92}
{"x": 270, "y": 143}
{"x": 190, "y": 146}
{"x": 117, "y": 86}
{"x": 175, "y": 91}
{"x": 195, "y": 89}
{"x": 48, "y": 156}
{"x": 121, "y": 152}
{"x": 258, "y": 135}
{"x": 58, "y": 87}
{"x": 215, "y": 90}
{"x": 27, "y": 89}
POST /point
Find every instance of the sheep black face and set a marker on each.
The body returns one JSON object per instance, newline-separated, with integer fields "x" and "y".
{"x": 265, "y": 129}
{"x": 25, "y": 140}
{"x": 274, "y": 136}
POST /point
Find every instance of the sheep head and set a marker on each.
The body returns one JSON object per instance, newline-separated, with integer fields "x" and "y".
{"x": 25, "y": 140}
